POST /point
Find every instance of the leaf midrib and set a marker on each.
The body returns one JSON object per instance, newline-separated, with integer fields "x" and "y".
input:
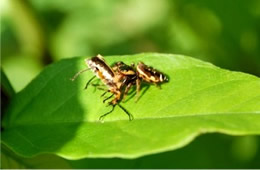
{"x": 73, "y": 95}
{"x": 200, "y": 90}
{"x": 140, "y": 119}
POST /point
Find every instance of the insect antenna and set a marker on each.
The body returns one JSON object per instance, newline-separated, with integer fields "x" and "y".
{"x": 78, "y": 73}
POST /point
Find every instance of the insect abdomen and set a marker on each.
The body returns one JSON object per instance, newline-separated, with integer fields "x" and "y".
{"x": 101, "y": 70}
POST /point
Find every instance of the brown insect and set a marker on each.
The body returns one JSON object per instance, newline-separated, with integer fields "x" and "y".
{"x": 134, "y": 76}
{"x": 120, "y": 78}
{"x": 113, "y": 81}
{"x": 126, "y": 75}
{"x": 150, "y": 74}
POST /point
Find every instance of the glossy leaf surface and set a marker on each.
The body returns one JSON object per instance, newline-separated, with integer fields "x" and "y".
{"x": 55, "y": 115}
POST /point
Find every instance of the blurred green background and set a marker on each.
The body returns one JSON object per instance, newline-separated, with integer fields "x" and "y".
{"x": 35, "y": 33}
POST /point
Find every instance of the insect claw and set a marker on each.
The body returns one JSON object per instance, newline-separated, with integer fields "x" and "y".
{"x": 101, "y": 119}
{"x": 131, "y": 117}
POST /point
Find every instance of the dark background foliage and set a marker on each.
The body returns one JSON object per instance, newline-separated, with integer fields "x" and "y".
{"x": 35, "y": 33}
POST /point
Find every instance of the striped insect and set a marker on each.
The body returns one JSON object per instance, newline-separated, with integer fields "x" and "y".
{"x": 120, "y": 78}
{"x": 112, "y": 81}
{"x": 135, "y": 75}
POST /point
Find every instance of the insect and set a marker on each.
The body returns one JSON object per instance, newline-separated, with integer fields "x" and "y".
{"x": 134, "y": 76}
{"x": 120, "y": 78}
{"x": 113, "y": 81}
{"x": 126, "y": 74}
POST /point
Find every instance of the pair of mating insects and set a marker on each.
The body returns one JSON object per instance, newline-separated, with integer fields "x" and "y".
{"x": 120, "y": 78}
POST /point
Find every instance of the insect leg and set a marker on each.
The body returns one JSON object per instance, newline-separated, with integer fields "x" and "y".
{"x": 78, "y": 73}
{"x": 108, "y": 98}
{"x": 138, "y": 86}
{"x": 100, "y": 87}
{"x": 127, "y": 89}
{"x": 97, "y": 85}
{"x": 131, "y": 117}
{"x": 101, "y": 118}
{"x": 92, "y": 78}
{"x": 103, "y": 93}
{"x": 157, "y": 85}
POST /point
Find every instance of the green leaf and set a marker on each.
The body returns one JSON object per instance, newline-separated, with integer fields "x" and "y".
{"x": 7, "y": 92}
{"x": 54, "y": 115}
{"x": 10, "y": 160}
{"x": 6, "y": 85}
{"x": 206, "y": 152}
